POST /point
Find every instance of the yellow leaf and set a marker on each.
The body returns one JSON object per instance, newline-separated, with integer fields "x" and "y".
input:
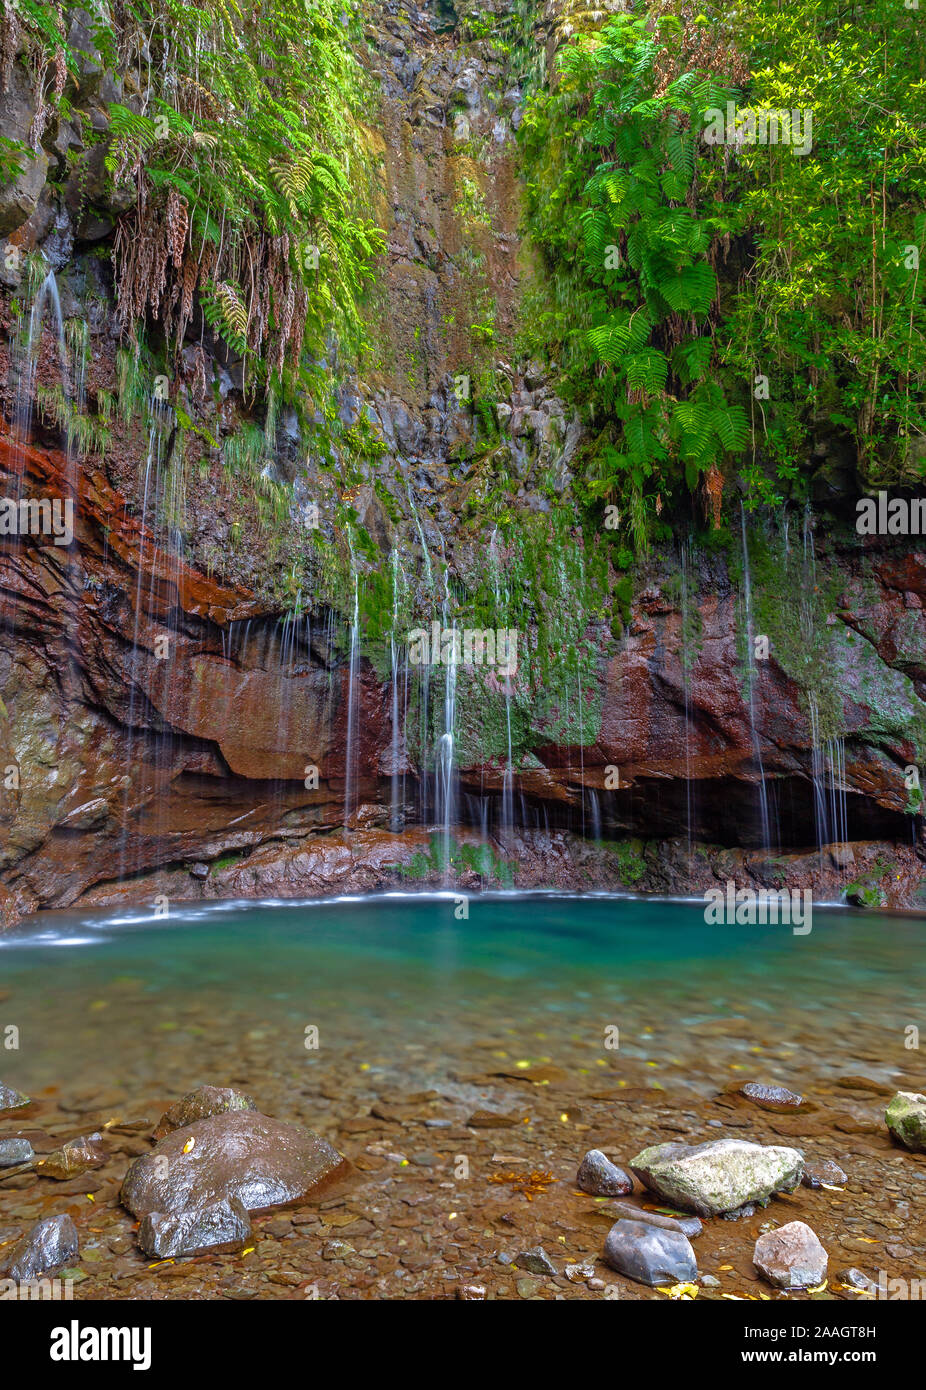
{"x": 189, "y": 1145}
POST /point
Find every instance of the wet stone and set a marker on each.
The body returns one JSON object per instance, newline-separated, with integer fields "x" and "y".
{"x": 49, "y": 1245}
{"x": 791, "y": 1257}
{"x": 11, "y": 1099}
{"x": 906, "y": 1119}
{"x": 855, "y": 1279}
{"x": 199, "y": 1105}
{"x": 718, "y": 1176}
{"x": 470, "y": 1293}
{"x": 579, "y": 1273}
{"x": 776, "y": 1098}
{"x": 689, "y": 1226}
{"x": 535, "y": 1261}
{"x": 15, "y": 1151}
{"x": 239, "y": 1154}
{"x": 75, "y": 1157}
{"x": 648, "y": 1254}
{"x": 600, "y": 1177}
{"x": 823, "y": 1172}
{"x": 216, "y": 1228}
{"x": 492, "y": 1119}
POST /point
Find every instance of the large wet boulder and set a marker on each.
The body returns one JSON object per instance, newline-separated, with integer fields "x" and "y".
{"x": 650, "y": 1254}
{"x": 906, "y": 1119}
{"x": 718, "y": 1176}
{"x": 197, "y": 1173}
{"x": 199, "y": 1105}
{"x": 49, "y": 1245}
{"x": 791, "y": 1257}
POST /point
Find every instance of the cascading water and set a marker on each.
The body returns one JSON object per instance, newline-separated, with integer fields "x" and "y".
{"x": 395, "y": 815}
{"x": 828, "y": 753}
{"x": 685, "y": 558}
{"x": 750, "y": 679}
{"x": 350, "y": 741}
{"x": 25, "y": 360}
{"x": 507, "y": 824}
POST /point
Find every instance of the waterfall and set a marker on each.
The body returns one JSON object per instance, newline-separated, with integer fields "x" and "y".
{"x": 349, "y": 750}
{"x": 750, "y": 678}
{"x": 828, "y": 754}
{"x": 594, "y": 812}
{"x": 507, "y": 826}
{"x": 685, "y": 556}
{"x": 25, "y": 359}
{"x": 444, "y": 787}
{"x": 394, "y": 815}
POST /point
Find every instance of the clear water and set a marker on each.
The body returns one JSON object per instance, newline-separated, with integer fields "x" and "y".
{"x": 401, "y": 991}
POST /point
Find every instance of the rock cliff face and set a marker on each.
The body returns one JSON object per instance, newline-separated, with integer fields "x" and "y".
{"x": 182, "y": 716}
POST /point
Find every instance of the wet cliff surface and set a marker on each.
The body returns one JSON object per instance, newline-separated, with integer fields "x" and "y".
{"x": 209, "y": 693}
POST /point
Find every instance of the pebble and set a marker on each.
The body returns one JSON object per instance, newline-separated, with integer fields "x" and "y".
{"x": 535, "y": 1261}
{"x": 600, "y": 1177}
{"x": 791, "y": 1257}
{"x": 73, "y": 1158}
{"x": 776, "y": 1098}
{"x": 649, "y": 1254}
{"x": 14, "y": 1151}
{"x": 11, "y": 1099}
{"x": 819, "y": 1172}
{"x": 471, "y": 1293}
{"x": 856, "y": 1279}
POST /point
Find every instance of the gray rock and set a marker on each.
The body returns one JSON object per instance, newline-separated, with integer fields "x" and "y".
{"x": 579, "y": 1273}
{"x": 535, "y": 1261}
{"x": 13, "y": 1151}
{"x": 20, "y": 195}
{"x": 223, "y": 1226}
{"x": 718, "y": 1176}
{"x": 823, "y": 1171}
{"x": 49, "y": 1245}
{"x": 791, "y": 1257}
{"x": 649, "y": 1254}
{"x": 11, "y": 1100}
{"x": 199, "y": 1105}
{"x": 688, "y": 1226}
{"x": 239, "y": 1154}
{"x": 199, "y": 870}
{"x": 602, "y": 1178}
{"x": 906, "y": 1119}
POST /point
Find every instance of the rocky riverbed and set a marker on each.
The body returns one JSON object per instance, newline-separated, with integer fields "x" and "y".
{"x": 468, "y": 1189}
